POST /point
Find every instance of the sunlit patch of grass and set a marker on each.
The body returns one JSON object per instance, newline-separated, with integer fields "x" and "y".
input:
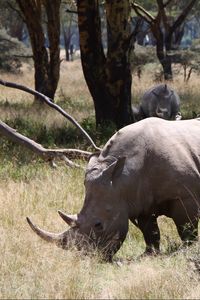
{"x": 154, "y": 278}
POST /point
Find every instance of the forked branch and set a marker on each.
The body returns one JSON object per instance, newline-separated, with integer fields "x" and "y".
{"x": 49, "y": 102}
{"x": 46, "y": 154}
{"x": 140, "y": 11}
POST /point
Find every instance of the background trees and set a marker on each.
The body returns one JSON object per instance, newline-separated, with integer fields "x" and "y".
{"x": 13, "y": 52}
{"x": 23, "y": 177}
{"x": 108, "y": 30}
{"x": 69, "y": 28}
{"x": 163, "y": 28}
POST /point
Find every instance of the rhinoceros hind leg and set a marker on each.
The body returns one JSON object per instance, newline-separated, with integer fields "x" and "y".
{"x": 185, "y": 214}
{"x": 188, "y": 231}
{"x": 149, "y": 227}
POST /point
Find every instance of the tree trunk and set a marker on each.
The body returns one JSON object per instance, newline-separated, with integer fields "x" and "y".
{"x": 66, "y": 43}
{"x": 67, "y": 36}
{"x": 108, "y": 77}
{"x": 167, "y": 68}
{"x": 53, "y": 29}
{"x": 167, "y": 65}
{"x": 46, "y": 64}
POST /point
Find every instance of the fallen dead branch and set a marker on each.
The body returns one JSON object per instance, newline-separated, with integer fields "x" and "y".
{"x": 46, "y": 154}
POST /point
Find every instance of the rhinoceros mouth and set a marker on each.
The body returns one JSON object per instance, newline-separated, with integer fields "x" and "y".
{"x": 161, "y": 111}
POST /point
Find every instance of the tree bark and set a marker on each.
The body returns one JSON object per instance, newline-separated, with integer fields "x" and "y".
{"x": 108, "y": 76}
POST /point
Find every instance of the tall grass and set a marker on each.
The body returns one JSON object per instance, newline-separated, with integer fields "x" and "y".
{"x": 33, "y": 269}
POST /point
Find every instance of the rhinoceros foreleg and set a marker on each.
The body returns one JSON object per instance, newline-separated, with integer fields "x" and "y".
{"x": 149, "y": 227}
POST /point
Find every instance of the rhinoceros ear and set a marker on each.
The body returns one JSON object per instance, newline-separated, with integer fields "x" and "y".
{"x": 114, "y": 170}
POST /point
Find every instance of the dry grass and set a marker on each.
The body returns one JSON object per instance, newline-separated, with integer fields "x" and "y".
{"x": 33, "y": 269}
{"x": 72, "y": 93}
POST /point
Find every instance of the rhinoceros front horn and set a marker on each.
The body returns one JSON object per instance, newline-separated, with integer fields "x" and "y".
{"x": 56, "y": 238}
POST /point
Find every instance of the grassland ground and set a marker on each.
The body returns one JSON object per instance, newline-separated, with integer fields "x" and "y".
{"x": 33, "y": 269}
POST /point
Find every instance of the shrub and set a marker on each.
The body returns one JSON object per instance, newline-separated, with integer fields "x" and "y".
{"x": 12, "y": 52}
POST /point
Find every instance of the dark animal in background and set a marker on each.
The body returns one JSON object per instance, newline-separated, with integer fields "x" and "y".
{"x": 147, "y": 169}
{"x": 159, "y": 101}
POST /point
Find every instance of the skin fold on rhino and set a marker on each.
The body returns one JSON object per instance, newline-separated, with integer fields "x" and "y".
{"x": 147, "y": 169}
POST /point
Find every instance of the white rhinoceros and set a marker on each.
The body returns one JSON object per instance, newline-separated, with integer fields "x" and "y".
{"x": 159, "y": 101}
{"x": 147, "y": 169}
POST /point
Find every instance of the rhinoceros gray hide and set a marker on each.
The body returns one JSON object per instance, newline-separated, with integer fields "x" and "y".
{"x": 159, "y": 101}
{"x": 147, "y": 169}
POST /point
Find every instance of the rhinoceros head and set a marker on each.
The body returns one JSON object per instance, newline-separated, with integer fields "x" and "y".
{"x": 164, "y": 95}
{"x": 103, "y": 220}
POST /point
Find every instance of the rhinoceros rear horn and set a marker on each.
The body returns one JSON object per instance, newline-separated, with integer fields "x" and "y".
{"x": 56, "y": 238}
{"x": 71, "y": 220}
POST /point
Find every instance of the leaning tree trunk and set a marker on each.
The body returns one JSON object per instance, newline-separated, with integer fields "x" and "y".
{"x": 108, "y": 76}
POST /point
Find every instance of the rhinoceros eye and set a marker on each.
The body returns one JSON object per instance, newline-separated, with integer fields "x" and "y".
{"x": 98, "y": 225}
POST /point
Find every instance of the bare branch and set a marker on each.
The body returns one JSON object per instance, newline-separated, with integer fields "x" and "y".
{"x": 140, "y": 11}
{"x": 49, "y": 102}
{"x": 7, "y": 40}
{"x": 46, "y": 154}
{"x": 16, "y": 10}
{"x": 167, "y": 3}
{"x": 183, "y": 15}
{"x": 22, "y": 56}
{"x": 71, "y": 11}
{"x": 132, "y": 37}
